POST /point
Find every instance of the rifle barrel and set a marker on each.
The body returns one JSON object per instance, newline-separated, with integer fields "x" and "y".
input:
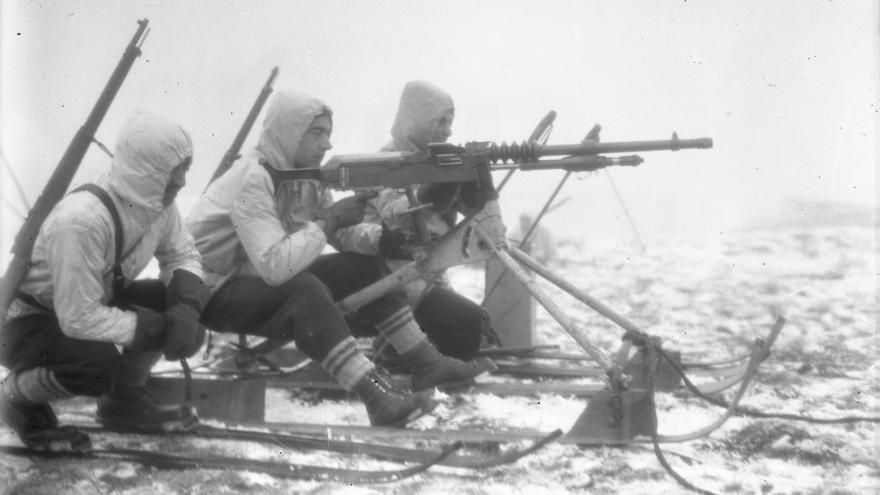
{"x": 232, "y": 153}
{"x": 64, "y": 172}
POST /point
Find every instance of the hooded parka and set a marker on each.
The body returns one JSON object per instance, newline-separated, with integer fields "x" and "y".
{"x": 246, "y": 225}
{"x": 74, "y": 253}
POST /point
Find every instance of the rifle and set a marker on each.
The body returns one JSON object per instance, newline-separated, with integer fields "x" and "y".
{"x": 444, "y": 163}
{"x": 232, "y": 153}
{"x": 64, "y": 172}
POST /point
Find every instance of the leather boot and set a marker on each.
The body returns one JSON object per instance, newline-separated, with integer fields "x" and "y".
{"x": 430, "y": 368}
{"x": 37, "y": 427}
{"x": 387, "y": 406}
{"x": 133, "y": 408}
{"x": 386, "y": 356}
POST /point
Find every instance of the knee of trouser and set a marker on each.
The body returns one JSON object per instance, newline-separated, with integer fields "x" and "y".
{"x": 469, "y": 340}
{"x": 305, "y": 286}
{"x": 94, "y": 376}
{"x": 311, "y": 314}
{"x": 364, "y": 269}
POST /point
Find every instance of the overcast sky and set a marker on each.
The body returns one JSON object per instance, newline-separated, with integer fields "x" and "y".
{"x": 788, "y": 90}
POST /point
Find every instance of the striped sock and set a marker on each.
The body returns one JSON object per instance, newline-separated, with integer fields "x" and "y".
{"x": 33, "y": 386}
{"x": 402, "y": 330}
{"x": 347, "y": 363}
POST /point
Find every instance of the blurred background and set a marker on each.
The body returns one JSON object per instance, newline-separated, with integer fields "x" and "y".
{"x": 787, "y": 90}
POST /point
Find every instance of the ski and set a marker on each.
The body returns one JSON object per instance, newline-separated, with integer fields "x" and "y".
{"x": 548, "y": 352}
{"x": 297, "y": 471}
{"x": 325, "y": 443}
{"x": 323, "y": 431}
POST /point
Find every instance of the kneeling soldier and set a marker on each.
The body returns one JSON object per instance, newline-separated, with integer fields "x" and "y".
{"x": 80, "y": 324}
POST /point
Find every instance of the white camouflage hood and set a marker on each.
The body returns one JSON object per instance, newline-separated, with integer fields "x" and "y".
{"x": 420, "y": 103}
{"x": 147, "y": 150}
{"x": 288, "y": 117}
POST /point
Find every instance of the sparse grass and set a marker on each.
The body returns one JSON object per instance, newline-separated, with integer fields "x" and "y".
{"x": 783, "y": 441}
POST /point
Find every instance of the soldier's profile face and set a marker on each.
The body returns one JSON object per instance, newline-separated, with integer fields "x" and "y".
{"x": 176, "y": 181}
{"x": 435, "y": 130}
{"x": 315, "y": 143}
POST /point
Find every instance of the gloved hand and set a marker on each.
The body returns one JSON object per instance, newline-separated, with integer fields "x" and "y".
{"x": 470, "y": 197}
{"x": 187, "y": 288}
{"x": 441, "y": 196}
{"x": 149, "y": 333}
{"x": 347, "y": 211}
{"x": 184, "y": 335}
{"x": 394, "y": 244}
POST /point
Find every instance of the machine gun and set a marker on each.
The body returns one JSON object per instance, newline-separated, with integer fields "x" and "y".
{"x": 445, "y": 163}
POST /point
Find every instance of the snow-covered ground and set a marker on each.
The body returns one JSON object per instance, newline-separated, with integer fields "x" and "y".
{"x": 708, "y": 299}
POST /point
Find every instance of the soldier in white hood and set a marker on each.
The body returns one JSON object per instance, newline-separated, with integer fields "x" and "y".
{"x": 80, "y": 304}
{"x": 454, "y": 323}
{"x": 261, "y": 239}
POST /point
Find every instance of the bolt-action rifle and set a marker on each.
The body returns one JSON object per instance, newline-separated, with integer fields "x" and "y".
{"x": 232, "y": 153}
{"x": 64, "y": 172}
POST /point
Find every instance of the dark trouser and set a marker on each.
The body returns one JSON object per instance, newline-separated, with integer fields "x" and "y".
{"x": 303, "y": 308}
{"x": 83, "y": 367}
{"x": 453, "y": 322}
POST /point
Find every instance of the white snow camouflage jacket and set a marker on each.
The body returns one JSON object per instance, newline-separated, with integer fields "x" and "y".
{"x": 74, "y": 253}
{"x": 244, "y": 226}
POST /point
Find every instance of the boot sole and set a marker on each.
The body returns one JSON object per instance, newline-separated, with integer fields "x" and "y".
{"x": 483, "y": 366}
{"x": 416, "y": 414}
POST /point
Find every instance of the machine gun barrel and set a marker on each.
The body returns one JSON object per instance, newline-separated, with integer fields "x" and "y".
{"x": 530, "y": 151}
{"x": 597, "y": 148}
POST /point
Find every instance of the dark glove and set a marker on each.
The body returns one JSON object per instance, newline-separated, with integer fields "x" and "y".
{"x": 394, "y": 245}
{"x": 149, "y": 333}
{"x": 347, "y": 211}
{"x": 187, "y": 288}
{"x": 184, "y": 334}
{"x": 470, "y": 197}
{"x": 441, "y": 196}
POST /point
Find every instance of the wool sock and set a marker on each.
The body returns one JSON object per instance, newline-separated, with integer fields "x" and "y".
{"x": 402, "y": 330}
{"x": 33, "y": 386}
{"x": 347, "y": 363}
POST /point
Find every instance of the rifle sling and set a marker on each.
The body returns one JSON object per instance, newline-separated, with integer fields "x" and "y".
{"x": 118, "y": 277}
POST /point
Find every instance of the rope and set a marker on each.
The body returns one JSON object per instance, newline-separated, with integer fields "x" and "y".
{"x": 629, "y": 219}
{"x": 655, "y": 437}
{"x": 750, "y": 412}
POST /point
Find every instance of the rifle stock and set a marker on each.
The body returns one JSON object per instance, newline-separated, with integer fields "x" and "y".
{"x": 232, "y": 153}
{"x": 64, "y": 172}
